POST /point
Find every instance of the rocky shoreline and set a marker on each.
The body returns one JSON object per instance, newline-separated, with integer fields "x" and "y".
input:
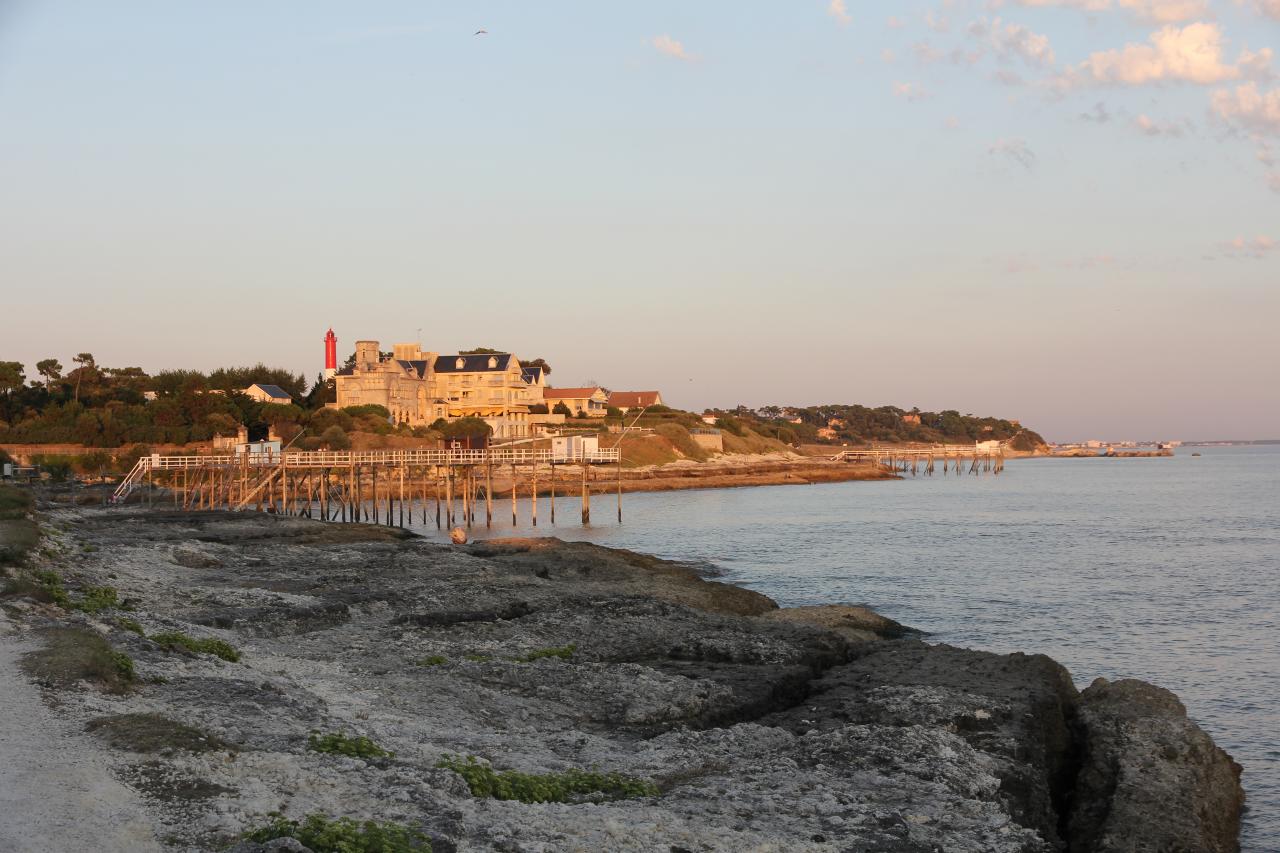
{"x": 653, "y": 708}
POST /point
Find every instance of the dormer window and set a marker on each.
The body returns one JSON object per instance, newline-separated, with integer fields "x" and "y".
{"x": 493, "y": 362}
{"x": 460, "y": 363}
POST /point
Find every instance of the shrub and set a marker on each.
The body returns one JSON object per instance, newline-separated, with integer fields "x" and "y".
{"x": 336, "y": 743}
{"x": 432, "y": 660}
{"x": 564, "y": 787}
{"x": 562, "y": 652}
{"x": 170, "y": 640}
{"x": 344, "y": 835}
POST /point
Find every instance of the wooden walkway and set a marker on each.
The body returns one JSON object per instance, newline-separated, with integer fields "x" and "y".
{"x": 924, "y": 460}
{"x": 379, "y": 486}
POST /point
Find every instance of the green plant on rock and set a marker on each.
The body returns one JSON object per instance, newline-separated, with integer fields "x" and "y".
{"x": 432, "y": 660}
{"x": 343, "y": 835}
{"x": 97, "y": 598}
{"x": 131, "y": 625}
{"x": 336, "y": 743}
{"x": 569, "y": 786}
{"x": 562, "y": 652}
{"x": 51, "y": 581}
{"x": 170, "y": 640}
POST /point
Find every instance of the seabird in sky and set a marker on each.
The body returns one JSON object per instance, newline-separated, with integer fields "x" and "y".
{"x": 482, "y": 32}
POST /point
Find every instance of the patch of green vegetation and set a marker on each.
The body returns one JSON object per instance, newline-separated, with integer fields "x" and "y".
{"x": 152, "y": 733}
{"x": 569, "y": 786}
{"x": 14, "y": 502}
{"x": 431, "y": 660}
{"x": 97, "y": 598}
{"x": 343, "y": 835}
{"x": 73, "y": 655}
{"x": 131, "y": 625}
{"x": 336, "y": 743}
{"x": 88, "y": 548}
{"x": 42, "y": 586}
{"x": 170, "y": 640}
{"x": 562, "y": 652}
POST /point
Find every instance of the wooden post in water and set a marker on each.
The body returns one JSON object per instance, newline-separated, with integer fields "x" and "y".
{"x": 619, "y": 480}
{"x": 514, "y": 519}
{"x": 586, "y": 493}
{"x": 553, "y": 492}
{"x": 533, "y": 495}
{"x": 488, "y": 489}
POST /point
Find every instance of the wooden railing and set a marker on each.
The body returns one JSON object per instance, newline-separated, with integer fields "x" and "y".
{"x": 349, "y": 458}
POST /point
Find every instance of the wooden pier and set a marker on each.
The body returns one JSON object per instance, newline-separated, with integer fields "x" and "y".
{"x": 391, "y": 487}
{"x": 957, "y": 458}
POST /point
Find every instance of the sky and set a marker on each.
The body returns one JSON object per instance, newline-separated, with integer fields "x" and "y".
{"x": 1061, "y": 211}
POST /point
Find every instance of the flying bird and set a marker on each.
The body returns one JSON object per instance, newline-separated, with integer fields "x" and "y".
{"x": 482, "y": 32}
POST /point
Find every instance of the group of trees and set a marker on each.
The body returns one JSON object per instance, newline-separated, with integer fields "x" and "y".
{"x": 102, "y": 406}
{"x": 860, "y": 424}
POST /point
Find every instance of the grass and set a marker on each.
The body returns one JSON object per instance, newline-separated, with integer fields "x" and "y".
{"x": 171, "y": 640}
{"x": 153, "y": 733}
{"x": 343, "y": 835}
{"x": 15, "y": 503}
{"x": 431, "y": 660}
{"x": 131, "y": 625}
{"x": 73, "y": 655}
{"x": 336, "y": 743}
{"x": 569, "y": 786}
{"x": 682, "y": 441}
{"x": 46, "y": 586}
{"x": 562, "y": 652}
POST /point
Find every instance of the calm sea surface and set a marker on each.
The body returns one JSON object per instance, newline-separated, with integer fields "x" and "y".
{"x": 1162, "y": 569}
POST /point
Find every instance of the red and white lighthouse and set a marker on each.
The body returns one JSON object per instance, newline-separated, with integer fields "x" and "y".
{"x": 330, "y": 355}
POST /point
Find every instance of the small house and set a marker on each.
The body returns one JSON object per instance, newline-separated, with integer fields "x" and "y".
{"x": 268, "y": 394}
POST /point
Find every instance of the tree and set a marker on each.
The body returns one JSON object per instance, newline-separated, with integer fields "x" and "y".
{"x": 480, "y": 351}
{"x": 562, "y": 409}
{"x": 335, "y": 438}
{"x": 86, "y": 362}
{"x": 538, "y": 362}
{"x": 12, "y": 376}
{"x": 51, "y": 370}
{"x": 466, "y": 428}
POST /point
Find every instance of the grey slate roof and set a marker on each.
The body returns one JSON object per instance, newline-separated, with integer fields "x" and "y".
{"x": 478, "y": 363}
{"x": 274, "y": 391}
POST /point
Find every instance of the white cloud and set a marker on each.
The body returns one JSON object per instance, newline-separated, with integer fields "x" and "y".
{"x": 1248, "y": 108}
{"x": 1190, "y": 54}
{"x": 1014, "y": 150}
{"x": 1270, "y": 8}
{"x": 1016, "y": 40}
{"x": 1157, "y": 11}
{"x": 941, "y": 23}
{"x": 665, "y": 44}
{"x": 909, "y": 91}
{"x": 838, "y": 10}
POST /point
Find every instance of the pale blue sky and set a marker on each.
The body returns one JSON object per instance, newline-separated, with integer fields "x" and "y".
{"x": 953, "y": 205}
